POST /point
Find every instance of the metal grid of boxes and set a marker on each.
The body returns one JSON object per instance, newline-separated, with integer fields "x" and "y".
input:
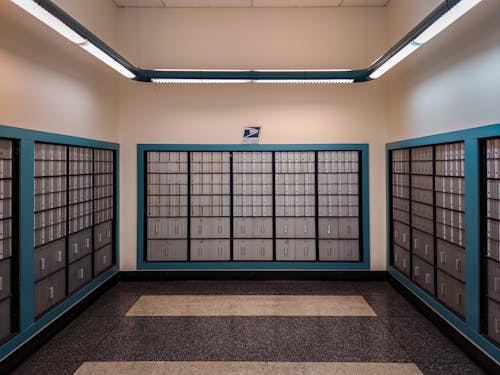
{"x": 252, "y": 206}
{"x": 428, "y": 233}
{"x": 7, "y": 260}
{"x": 492, "y": 238}
{"x": 74, "y": 189}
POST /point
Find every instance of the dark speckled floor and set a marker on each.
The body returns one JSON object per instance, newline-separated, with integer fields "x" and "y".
{"x": 399, "y": 333}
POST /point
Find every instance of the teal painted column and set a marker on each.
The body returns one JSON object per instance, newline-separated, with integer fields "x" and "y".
{"x": 26, "y": 220}
{"x": 472, "y": 233}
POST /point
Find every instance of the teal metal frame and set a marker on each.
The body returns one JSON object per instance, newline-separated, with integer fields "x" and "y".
{"x": 263, "y": 266}
{"x": 144, "y": 75}
{"x": 28, "y": 327}
{"x": 470, "y": 328}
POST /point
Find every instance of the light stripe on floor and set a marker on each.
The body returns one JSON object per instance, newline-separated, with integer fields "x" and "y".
{"x": 247, "y": 368}
{"x": 250, "y": 305}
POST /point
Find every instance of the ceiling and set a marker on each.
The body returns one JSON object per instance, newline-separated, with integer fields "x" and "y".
{"x": 246, "y": 3}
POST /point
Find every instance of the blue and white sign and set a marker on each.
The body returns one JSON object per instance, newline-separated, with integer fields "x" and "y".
{"x": 251, "y": 134}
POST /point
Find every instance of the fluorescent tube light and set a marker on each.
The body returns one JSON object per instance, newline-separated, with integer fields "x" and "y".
{"x": 108, "y": 60}
{"x": 389, "y": 64}
{"x": 446, "y": 19}
{"x": 55, "y": 23}
{"x": 303, "y": 81}
{"x": 303, "y": 70}
{"x": 200, "y": 70}
{"x": 198, "y": 80}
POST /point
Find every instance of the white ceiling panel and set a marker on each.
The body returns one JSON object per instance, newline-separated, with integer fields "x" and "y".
{"x": 139, "y": 3}
{"x": 296, "y": 3}
{"x": 362, "y": 3}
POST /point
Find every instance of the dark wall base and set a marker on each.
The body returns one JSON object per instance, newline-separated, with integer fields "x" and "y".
{"x": 253, "y": 275}
{"x": 470, "y": 349}
{"x": 14, "y": 359}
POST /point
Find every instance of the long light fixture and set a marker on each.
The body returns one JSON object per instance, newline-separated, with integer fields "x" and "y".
{"x": 55, "y": 23}
{"x": 399, "y": 56}
{"x": 458, "y": 10}
{"x": 446, "y": 19}
{"x": 198, "y": 80}
{"x": 108, "y": 60}
{"x": 303, "y": 81}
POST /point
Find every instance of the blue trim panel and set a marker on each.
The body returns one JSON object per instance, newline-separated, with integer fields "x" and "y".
{"x": 471, "y": 138}
{"x": 318, "y": 266}
{"x": 27, "y": 326}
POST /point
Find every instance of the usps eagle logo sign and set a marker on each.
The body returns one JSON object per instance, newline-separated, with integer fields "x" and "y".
{"x": 251, "y": 134}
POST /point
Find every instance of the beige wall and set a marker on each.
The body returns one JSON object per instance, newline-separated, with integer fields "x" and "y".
{"x": 252, "y": 39}
{"x": 451, "y": 83}
{"x": 49, "y": 84}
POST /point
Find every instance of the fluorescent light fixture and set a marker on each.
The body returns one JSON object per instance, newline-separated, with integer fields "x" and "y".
{"x": 446, "y": 19}
{"x": 198, "y": 80}
{"x": 303, "y": 81}
{"x": 399, "y": 56}
{"x": 108, "y": 60}
{"x": 55, "y": 23}
{"x": 303, "y": 70}
{"x": 200, "y": 70}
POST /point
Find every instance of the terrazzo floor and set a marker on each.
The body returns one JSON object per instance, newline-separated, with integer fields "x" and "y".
{"x": 367, "y": 328}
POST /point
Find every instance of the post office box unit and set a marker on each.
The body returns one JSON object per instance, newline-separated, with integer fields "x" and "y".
{"x": 5, "y": 168}
{"x": 79, "y": 245}
{"x": 5, "y": 248}
{"x": 423, "y": 245}
{"x": 339, "y": 250}
{"x": 5, "y": 189}
{"x": 422, "y": 153}
{"x": 450, "y": 217}
{"x": 5, "y": 149}
{"x": 49, "y": 201}
{"x": 452, "y": 168}
{"x": 493, "y": 276}
{"x": 210, "y": 227}
{"x": 493, "y": 249}
{"x": 494, "y": 321}
{"x": 455, "y": 185}
{"x": 401, "y": 204}
{"x": 49, "y": 234}
{"x": 423, "y": 210}
{"x": 450, "y": 234}
{"x": 401, "y": 216}
{"x": 328, "y": 227}
{"x": 421, "y": 167}
{"x": 103, "y": 259}
{"x": 493, "y": 209}
{"x": 49, "y": 291}
{"x": 423, "y": 274}
{"x": 451, "y": 259}
{"x": 253, "y": 250}
{"x": 49, "y": 258}
{"x": 349, "y": 227}
{"x": 401, "y": 235}
{"x": 493, "y": 189}
{"x": 79, "y": 273}
{"x": 451, "y": 292}
{"x": 5, "y": 228}
{"x": 493, "y": 229}
{"x": 285, "y": 250}
{"x": 167, "y": 250}
{"x": 422, "y": 196}
{"x": 422, "y": 224}
{"x": 103, "y": 234}
{"x": 422, "y": 182}
{"x": 5, "y": 208}
{"x": 210, "y": 250}
{"x": 295, "y": 250}
{"x": 401, "y": 260}
{"x": 305, "y": 227}
{"x": 450, "y": 201}
{"x": 5, "y": 319}
{"x": 285, "y": 227}
{"x": 253, "y": 227}
{"x": 5, "y": 278}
